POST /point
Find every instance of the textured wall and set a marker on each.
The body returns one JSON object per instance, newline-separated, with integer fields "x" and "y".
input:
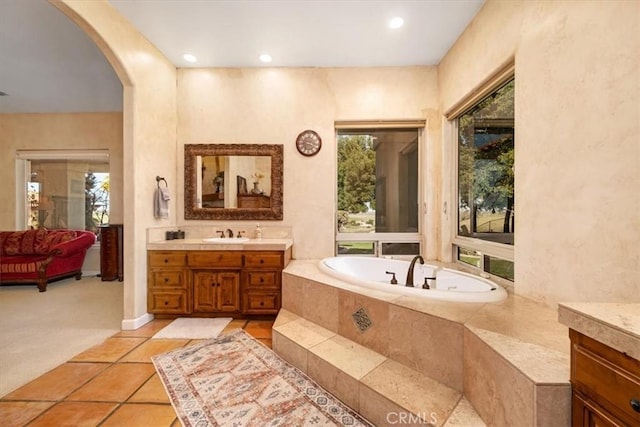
{"x": 272, "y": 106}
{"x": 57, "y": 131}
{"x": 577, "y": 139}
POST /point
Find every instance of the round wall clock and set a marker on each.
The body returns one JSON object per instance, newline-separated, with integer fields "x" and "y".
{"x": 308, "y": 143}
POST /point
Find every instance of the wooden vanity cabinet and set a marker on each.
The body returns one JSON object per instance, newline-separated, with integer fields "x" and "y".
{"x": 605, "y": 384}
{"x": 262, "y": 282}
{"x": 215, "y": 282}
{"x": 168, "y": 290}
{"x": 216, "y": 291}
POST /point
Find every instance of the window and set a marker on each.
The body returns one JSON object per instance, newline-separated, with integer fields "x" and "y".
{"x": 485, "y": 136}
{"x": 378, "y": 195}
{"x": 485, "y": 168}
{"x": 64, "y": 189}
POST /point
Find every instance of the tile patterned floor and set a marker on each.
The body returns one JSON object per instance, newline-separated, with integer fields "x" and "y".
{"x": 111, "y": 384}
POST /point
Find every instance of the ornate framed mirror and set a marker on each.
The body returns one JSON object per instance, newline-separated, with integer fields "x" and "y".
{"x": 233, "y": 181}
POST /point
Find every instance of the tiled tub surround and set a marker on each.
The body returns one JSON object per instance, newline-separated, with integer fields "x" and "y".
{"x": 504, "y": 363}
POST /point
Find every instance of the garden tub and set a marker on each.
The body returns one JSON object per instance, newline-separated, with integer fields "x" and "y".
{"x": 444, "y": 284}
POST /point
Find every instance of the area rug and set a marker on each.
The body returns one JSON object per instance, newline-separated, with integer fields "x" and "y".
{"x": 234, "y": 380}
{"x": 193, "y": 328}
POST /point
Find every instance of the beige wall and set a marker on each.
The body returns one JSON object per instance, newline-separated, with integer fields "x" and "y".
{"x": 58, "y": 131}
{"x": 577, "y": 139}
{"x": 149, "y": 134}
{"x": 273, "y": 105}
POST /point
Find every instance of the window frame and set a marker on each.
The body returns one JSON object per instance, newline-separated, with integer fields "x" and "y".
{"x": 503, "y": 75}
{"x": 24, "y": 157}
{"x": 380, "y": 238}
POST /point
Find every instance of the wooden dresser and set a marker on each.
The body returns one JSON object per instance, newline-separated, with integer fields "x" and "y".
{"x": 203, "y": 283}
{"x": 111, "y": 252}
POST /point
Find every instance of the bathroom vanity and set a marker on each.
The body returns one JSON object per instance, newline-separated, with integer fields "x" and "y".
{"x": 605, "y": 363}
{"x": 189, "y": 278}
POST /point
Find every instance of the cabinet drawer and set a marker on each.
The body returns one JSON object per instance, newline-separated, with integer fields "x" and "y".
{"x": 168, "y": 259}
{"x": 593, "y": 374}
{"x": 168, "y": 302}
{"x": 168, "y": 279}
{"x": 214, "y": 259}
{"x": 262, "y": 260}
{"x": 263, "y": 279}
{"x": 261, "y": 303}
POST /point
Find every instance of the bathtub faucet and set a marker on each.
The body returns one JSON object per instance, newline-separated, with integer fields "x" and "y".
{"x": 409, "y": 281}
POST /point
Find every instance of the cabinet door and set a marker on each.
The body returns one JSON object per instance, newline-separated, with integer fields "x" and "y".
{"x": 204, "y": 291}
{"x": 229, "y": 291}
{"x": 588, "y": 414}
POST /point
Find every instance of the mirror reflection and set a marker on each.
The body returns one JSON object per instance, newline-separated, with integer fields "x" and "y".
{"x": 234, "y": 182}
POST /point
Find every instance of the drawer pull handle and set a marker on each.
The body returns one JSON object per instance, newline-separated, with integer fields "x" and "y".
{"x": 261, "y": 303}
{"x": 635, "y": 404}
{"x": 166, "y": 279}
{"x": 166, "y": 260}
{"x": 166, "y": 303}
{"x": 261, "y": 261}
{"x": 261, "y": 279}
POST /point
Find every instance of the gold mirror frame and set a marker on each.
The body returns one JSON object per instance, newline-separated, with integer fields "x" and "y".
{"x": 191, "y": 209}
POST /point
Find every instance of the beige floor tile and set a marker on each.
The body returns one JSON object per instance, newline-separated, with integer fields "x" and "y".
{"x": 115, "y": 384}
{"x": 143, "y": 353}
{"x": 76, "y": 414}
{"x": 142, "y": 415}
{"x": 110, "y": 350}
{"x": 259, "y": 328}
{"x": 146, "y": 331}
{"x": 411, "y": 390}
{"x": 14, "y": 414}
{"x": 151, "y": 392}
{"x": 57, "y": 383}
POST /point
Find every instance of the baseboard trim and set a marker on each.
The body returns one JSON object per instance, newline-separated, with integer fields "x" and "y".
{"x": 133, "y": 324}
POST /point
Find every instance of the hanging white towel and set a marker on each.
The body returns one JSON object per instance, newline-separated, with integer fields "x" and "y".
{"x": 161, "y": 202}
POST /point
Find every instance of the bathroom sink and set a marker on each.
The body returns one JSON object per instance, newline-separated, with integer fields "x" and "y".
{"x": 226, "y": 240}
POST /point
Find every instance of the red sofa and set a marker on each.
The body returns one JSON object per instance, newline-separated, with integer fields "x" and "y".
{"x": 41, "y": 256}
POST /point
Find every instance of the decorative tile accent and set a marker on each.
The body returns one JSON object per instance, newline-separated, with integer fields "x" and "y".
{"x": 361, "y": 319}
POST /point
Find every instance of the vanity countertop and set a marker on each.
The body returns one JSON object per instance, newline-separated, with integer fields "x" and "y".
{"x": 614, "y": 324}
{"x": 263, "y": 244}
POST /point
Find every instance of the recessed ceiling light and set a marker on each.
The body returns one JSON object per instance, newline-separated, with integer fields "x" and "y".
{"x": 396, "y": 22}
{"x": 265, "y": 58}
{"x": 190, "y": 58}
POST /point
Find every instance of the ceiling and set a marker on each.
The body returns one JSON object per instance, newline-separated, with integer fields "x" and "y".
{"x": 49, "y": 65}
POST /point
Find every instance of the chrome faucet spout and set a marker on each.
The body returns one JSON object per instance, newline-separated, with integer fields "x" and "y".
{"x": 229, "y": 232}
{"x": 409, "y": 281}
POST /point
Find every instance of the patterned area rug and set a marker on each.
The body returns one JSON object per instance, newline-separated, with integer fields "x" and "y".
{"x": 234, "y": 380}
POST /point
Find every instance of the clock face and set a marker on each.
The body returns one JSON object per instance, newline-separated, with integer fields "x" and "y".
{"x": 308, "y": 143}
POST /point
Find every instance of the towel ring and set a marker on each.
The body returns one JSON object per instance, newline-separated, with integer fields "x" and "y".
{"x": 159, "y": 178}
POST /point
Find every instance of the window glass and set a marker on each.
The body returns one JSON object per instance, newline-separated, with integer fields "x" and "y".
{"x": 499, "y": 267}
{"x": 68, "y": 194}
{"x": 400, "y": 248}
{"x": 378, "y": 181}
{"x": 356, "y": 248}
{"x": 469, "y": 256}
{"x": 485, "y": 168}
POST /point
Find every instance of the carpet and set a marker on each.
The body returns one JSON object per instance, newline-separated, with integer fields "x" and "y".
{"x": 234, "y": 380}
{"x": 193, "y": 328}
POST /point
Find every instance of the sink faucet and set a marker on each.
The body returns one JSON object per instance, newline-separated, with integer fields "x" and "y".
{"x": 409, "y": 281}
{"x": 229, "y": 232}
